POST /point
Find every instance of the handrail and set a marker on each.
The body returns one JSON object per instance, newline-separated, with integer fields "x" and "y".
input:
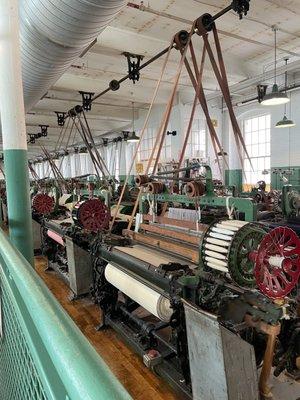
{"x": 81, "y": 370}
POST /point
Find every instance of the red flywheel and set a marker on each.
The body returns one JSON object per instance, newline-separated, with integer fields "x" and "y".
{"x": 277, "y": 265}
{"x": 43, "y": 204}
{"x": 92, "y": 215}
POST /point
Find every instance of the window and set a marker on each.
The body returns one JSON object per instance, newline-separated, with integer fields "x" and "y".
{"x": 148, "y": 143}
{"x": 166, "y": 151}
{"x": 196, "y": 147}
{"x": 117, "y": 163}
{"x": 257, "y": 138}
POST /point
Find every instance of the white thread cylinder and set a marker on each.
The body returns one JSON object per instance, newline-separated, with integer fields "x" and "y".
{"x": 152, "y": 301}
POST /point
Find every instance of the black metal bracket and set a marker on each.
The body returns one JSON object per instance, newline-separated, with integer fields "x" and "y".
{"x": 241, "y": 7}
{"x": 44, "y": 130}
{"x": 133, "y": 66}
{"x": 86, "y": 100}
{"x": 32, "y": 138}
{"x": 261, "y": 92}
{"x": 173, "y": 133}
{"x": 61, "y": 116}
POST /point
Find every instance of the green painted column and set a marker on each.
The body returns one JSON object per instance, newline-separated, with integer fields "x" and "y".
{"x": 234, "y": 177}
{"x": 14, "y": 131}
{"x": 131, "y": 181}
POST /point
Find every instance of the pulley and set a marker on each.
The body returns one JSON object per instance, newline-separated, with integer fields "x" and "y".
{"x": 91, "y": 215}
{"x": 155, "y": 187}
{"x": 43, "y": 204}
{"x": 195, "y": 189}
{"x": 141, "y": 180}
{"x": 277, "y": 263}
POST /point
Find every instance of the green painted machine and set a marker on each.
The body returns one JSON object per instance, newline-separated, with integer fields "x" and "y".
{"x": 290, "y": 202}
{"x": 198, "y": 193}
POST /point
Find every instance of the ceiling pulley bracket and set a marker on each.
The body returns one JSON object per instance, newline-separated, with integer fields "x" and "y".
{"x": 241, "y": 7}
{"x": 61, "y": 116}
{"x": 86, "y": 100}
{"x": 134, "y": 63}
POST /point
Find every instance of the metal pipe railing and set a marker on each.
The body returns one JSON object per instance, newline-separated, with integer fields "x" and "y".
{"x": 68, "y": 366}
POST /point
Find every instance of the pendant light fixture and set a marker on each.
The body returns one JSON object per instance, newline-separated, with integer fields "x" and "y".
{"x": 133, "y": 138}
{"x": 276, "y": 97}
{"x": 285, "y": 122}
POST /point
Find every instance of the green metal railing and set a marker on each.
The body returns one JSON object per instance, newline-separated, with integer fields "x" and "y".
{"x": 43, "y": 355}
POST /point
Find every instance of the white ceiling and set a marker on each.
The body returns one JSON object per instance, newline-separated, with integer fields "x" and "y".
{"x": 247, "y": 47}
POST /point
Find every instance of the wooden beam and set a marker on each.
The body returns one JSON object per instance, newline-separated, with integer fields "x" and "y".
{"x": 188, "y": 252}
{"x": 175, "y": 222}
{"x": 185, "y": 237}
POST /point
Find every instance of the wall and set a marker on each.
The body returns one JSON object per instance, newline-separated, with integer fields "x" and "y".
{"x": 178, "y": 122}
{"x": 80, "y": 164}
{"x": 285, "y": 143}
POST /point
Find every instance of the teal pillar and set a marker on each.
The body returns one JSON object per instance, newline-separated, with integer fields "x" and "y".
{"x": 14, "y": 131}
{"x": 18, "y": 201}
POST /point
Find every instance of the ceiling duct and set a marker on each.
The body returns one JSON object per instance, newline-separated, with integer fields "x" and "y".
{"x": 54, "y": 33}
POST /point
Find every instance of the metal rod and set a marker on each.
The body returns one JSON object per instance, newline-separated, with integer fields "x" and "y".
{"x": 220, "y": 14}
{"x": 194, "y": 166}
{"x": 147, "y": 325}
{"x": 156, "y": 57}
{"x": 169, "y": 178}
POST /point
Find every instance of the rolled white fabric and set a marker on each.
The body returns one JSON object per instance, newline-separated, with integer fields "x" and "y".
{"x": 215, "y": 254}
{"x": 218, "y": 242}
{"x": 236, "y": 223}
{"x": 217, "y": 267}
{"x": 152, "y": 301}
{"x": 215, "y": 248}
{"x": 223, "y": 231}
{"x": 216, "y": 261}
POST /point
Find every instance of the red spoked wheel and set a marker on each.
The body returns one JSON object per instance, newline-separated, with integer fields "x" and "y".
{"x": 42, "y": 204}
{"x": 277, "y": 265}
{"x": 93, "y": 215}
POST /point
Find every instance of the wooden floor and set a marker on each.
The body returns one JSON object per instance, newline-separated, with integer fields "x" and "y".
{"x": 141, "y": 383}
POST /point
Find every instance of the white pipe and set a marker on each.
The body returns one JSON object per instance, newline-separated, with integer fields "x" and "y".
{"x": 54, "y": 33}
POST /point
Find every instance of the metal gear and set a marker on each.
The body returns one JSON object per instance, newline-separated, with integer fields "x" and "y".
{"x": 277, "y": 263}
{"x": 276, "y": 198}
{"x": 240, "y": 266}
{"x": 226, "y": 247}
{"x": 43, "y": 204}
{"x": 92, "y": 215}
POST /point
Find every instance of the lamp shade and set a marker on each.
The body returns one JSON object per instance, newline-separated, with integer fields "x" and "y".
{"x": 275, "y": 98}
{"x": 133, "y": 138}
{"x": 285, "y": 123}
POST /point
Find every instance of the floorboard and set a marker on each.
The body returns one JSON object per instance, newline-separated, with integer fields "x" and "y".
{"x": 141, "y": 383}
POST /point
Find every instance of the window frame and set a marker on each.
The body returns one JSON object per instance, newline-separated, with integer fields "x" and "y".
{"x": 259, "y": 148}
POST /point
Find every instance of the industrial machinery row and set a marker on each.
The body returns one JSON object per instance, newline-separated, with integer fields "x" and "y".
{"x": 187, "y": 279}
